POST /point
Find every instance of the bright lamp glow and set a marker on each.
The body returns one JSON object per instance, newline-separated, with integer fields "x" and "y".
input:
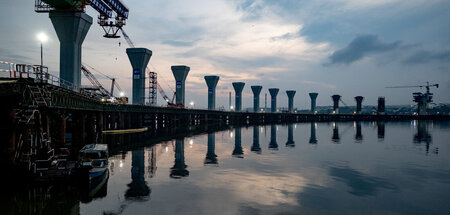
{"x": 42, "y": 37}
{"x": 191, "y": 103}
{"x": 122, "y": 94}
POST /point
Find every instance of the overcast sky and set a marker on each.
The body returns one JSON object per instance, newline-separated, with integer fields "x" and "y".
{"x": 347, "y": 47}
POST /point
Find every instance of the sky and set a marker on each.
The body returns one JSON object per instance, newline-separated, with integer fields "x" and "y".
{"x": 347, "y": 47}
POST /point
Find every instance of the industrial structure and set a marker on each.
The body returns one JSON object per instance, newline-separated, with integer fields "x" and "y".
{"x": 238, "y": 87}
{"x": 422, "y": 99}
{"x": 256, "y": 92}
{"x": 211, "y": 82}
{"x": 290, "y": 94}
{"x": 180, "y": 73}
{"x": 273, "y": 98}
{"x": 313, "y": 97}
{"x": 359, "y": 100}
{"x": 336, "y": 99}
{"x": 139, "y": 58}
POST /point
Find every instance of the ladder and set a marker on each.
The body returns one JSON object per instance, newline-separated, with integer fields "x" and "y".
{"x": 37, "y": 94}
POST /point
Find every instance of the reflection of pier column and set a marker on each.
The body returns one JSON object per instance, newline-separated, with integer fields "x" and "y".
{"x": 381, "y": 127}
{"x": 313, "y": 138}
{"x": 179, "y": 168}
{"x": 422, "y": 134}
{"x": 358, "y": 135}
{"x": 211, "y": 157}
{"x": 335, "y": 138}
{"x": 290, "y": 142}
{"x": 273, "y": 138}
{"x": 138, "y": 187}
{"x": 256, "y": 147}
{"x": 238, "y": 152}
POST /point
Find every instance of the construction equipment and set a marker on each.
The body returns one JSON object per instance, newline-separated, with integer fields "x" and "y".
{"x": 152, "y": 81}
{"x": 94, "y": 81}
{"x": 112, "y": 13}
{"x": 422, "y": 99}
{"x": 106, "y": 96}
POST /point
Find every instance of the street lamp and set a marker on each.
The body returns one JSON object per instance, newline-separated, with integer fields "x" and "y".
{"x": 192, "y": 104}
{"x": 42, "y": 37}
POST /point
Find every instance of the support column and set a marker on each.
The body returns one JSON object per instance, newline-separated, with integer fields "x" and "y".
{"x": 290, "y": 94}
{"x": 256, "y": 92}
{"x": 211, "y": 157}
{"x": 71, "y": 29}
{"x": 139, "y": 58}
{"x": 290, "y": 142}
{"x": 273, "y": 145}
{"x": 256, "y": 147}
{"x": 336, "y": 99}
{"x": 313, "y": 97}
{"x": 238, "y": 87}
{"x": 180, "y": 73}
{"x": 211, "y": 82}
{"x": 273, "y": 96}
{"x": 237, "y": 151}
{"x": 359, "y": 100}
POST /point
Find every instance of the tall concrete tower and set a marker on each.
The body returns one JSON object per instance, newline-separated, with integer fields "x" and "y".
{"x": 238, "y": 87}
{"x": 359, "y": 100}
{"x": 71, "y": 29}
{"x": 336, "y": 99}
{"x": 139, "y": 58}
{"x": 290, "y": 94}
{"x": 256, "y": 91}
{"x": 312, "y": 137}
{"x": 180, "y": 73}
{"x": 313, "y": 97}
{"x": 273, "y": 97}
{"x": 273, "y": 145}
{"x": 211, "y": 81}
{"x": 238, "y": 151}
{"x": 381, "y": 106}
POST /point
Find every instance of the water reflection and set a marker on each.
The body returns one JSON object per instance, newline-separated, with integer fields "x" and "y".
{"x": 256, "y": 147}
{"x": 290, "y": 142}
{"x": 358, "y": 135}
{"x": 238, "y": 151}
{"x": 335, "y": 138}
{"x": 423, "y": 135}
{"x": 380, "y": 129}
{"x": 138, "y": 188}
{"x": 179, "y": 168}
{"x": 211, "y": 157}
{"x": 273, "y": 145}
{"x": 312, "y": 136}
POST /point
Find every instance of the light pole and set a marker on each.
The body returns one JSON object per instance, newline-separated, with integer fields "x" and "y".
{"x": 42, "y": 37}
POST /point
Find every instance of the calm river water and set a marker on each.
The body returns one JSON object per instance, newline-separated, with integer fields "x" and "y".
{"x": 305, "y": 168}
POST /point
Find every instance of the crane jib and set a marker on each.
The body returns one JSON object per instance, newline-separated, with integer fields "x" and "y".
{"x": 118, "y": 6}
{"x": 101, "y": 7}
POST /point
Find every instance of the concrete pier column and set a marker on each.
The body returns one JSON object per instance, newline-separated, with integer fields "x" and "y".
{"x": 273, "y": 145}
{"x": 381, "y": 106}
{"x": 211, "y": 82}
{"x": 180, "y": 73}
{"x": 71, "y": 29}
{"x": 273, "y": 97}
{"x": 336, "y": 99}
{"x": 290, "y": 94}
{"x": 313, "y": 97}
{"x": 138, "y": 187}
{"x": 237, "y": 151}
{"x": 380, "y": 129}
{"x": 211, "y": 157}
{"x": 256, "y": 147}
{"x": 139, "y": 58}
{"x": 290, "y": 142}
{"x": 312, "y": 137}
{"x": 238, "y": 87}
{"x": 256, "y": 91}
{"x": 359, "y": 100}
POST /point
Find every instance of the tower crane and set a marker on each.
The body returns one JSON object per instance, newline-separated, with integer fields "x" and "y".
{"x": 170, "y": 102}
{"x": 112, "y": 13}
{"x": 422, "y": 99}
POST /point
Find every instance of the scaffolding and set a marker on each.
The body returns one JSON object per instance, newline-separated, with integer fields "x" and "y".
{"x": 152, "y": 88}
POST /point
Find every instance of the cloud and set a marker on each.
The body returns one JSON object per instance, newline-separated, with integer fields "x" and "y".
{"x": 178, "y": 43}
{"x": 360, "y": 47}
{"x": 423, "y": 56}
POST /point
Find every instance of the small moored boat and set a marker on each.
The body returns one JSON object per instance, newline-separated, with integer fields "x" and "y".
{"x": 94, "y": 159}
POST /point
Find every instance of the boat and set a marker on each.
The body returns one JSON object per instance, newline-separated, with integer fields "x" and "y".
{"x": 94, "y": 160}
